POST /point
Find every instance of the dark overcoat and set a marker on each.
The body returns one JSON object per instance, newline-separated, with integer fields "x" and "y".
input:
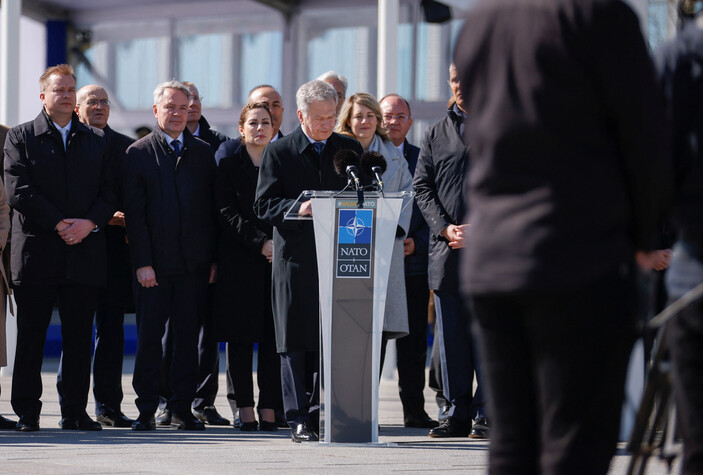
{"x": 169, "y": 210}
{"x": 212, "y": 137}
{"x": 243, "y": 290}
{"x": 438, "y": 181}
{"x": 46, "y": 184}
{"x": 289, "y": 166}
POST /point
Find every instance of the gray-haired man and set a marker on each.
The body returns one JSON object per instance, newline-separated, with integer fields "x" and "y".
{"x": 169, "y": 215}
{"x": 300, "y": 161}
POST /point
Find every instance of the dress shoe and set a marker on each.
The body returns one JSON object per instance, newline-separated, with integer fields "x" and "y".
{"x": 164, "y": 418}
{"x": 443, "y": 413}
{"x": 114, "y": 419}
{"x": 266, "y": 426}
{"x": 451, "y": 427}
{"x": 7, "y": 424}
{"x": 421, "y": 421}
{"x": 210, "y": 416}
{"x": 479, "y": 430}
{"x": 83, "y": 422}
{"x": 26, "y": 424}
{"x": 303, "y": 433}
{"x": 249, "y": 426}
{"x": 186, "y": 422}
{"x": 144, "y": 423}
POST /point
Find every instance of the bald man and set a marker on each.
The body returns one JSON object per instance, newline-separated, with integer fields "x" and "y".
{"x": 93, "y": 108}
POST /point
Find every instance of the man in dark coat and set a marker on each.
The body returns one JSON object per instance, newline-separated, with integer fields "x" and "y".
{"x": 300, "y": 161}
{"x": 411, "y": 349}
{"x": 169, "y": 213}
{"x": 680, "y": 65}
{"x": 62, "y": 185}
{"x": 568, "y": 171}
{"x": 438, "y": 182}
{"x": 93, "y": 108}
{"x": 208, "y": 347}
{"x": 269, "y": 96}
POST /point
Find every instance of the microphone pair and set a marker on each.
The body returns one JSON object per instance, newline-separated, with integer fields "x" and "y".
{"x": 372, "y": 164}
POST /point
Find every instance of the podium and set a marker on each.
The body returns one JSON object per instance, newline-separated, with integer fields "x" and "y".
{"x": 354, "y": 243}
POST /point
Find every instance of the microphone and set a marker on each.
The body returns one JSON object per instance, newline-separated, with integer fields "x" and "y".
{"x": 353, "y": 175}
{"x": 373, "y": 164}
{"x": 342, "y": 160}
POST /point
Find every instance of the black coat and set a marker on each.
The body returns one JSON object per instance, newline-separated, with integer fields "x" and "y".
{"x": 243, "y": 290}
{"x": 168, "y": 205}
{"x": 289, "y": 166}
{"x": 416, "y": 263}
{"x": 568, "y": 166}
{"x": 46, "y": 184}
{"x": 119, "y": 271}
{"x": 438, "y": 181}
{"x": 231, "y": 147}
{"x": 212, "y": 137}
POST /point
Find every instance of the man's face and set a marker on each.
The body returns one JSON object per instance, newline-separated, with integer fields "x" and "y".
{"x": 396, "y": 118}
{"x": 59, "y": 97}
{"x": 93, "y": 107}
{"x": 195, "y": 108}
{"x": 455, "y": 85}
{"x": 272, "y": 99}
{"x": 318, "y": 124}
{"x": 172, "y": 112}
{"x": 339, "y": 88}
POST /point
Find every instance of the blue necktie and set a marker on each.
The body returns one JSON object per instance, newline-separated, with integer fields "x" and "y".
{"x": 176, "y": 144}
{"x": 318, "y": 147}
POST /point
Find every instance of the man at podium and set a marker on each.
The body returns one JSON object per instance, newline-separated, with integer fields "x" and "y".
{"x": 300, "y": 161}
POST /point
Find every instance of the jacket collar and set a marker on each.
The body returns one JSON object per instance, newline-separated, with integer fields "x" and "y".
{"x": 44, "y": 125}
{"x": 204, "y": 125}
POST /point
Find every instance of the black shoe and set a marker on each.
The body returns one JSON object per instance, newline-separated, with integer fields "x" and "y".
{"x": 114, "y": 419}
{"x": 303, "y": 433}
{"x": 443, "y": 413}
{"x": 83, "y": 422}
{"x": 210, "y": 416}
{"x": 144, "y": 423}
{"x": 266, "y": 426}
{"x": 7, "y": 424}
{"x": 249, "y": 426}
{"x": 186, "y": 422}
{"x": 26, "y": 424}
{"x": 451, "y": 427}
{"x": 421, "y": 421}
{"x": 164, "y": 418}
{"x": 479, "y": 430}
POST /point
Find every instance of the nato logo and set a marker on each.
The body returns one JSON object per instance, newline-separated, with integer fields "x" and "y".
{"x": 355, "y": 226}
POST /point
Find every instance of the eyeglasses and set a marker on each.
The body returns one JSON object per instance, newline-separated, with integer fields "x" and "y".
{"x": 95, "y": 102}
{"x": 197, "y": 98}
{"x": 390, "y": 117}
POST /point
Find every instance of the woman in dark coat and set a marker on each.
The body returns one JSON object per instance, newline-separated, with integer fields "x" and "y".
{"x": 243, "y": 313}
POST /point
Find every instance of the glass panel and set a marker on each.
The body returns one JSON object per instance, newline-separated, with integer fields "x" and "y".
{"x": 344, "y": 50}
{"x": 405, "y": 60}
{"x": 141, "y": 65}
{"x": 262, "y": 60}
{"x": 200, "y": 61}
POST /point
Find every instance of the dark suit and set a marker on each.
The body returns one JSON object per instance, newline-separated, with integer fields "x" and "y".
{"x": 438, "y": 182}
{"x": 231, "y": 147}
{"x": 412, "y": 349}
{"x": 289, "y": 166}
{"x": 45, "y": 184}
{"x": 567, "y": 177}
{"x": 679, "y": 63}
{"x": 243, "y": 312}
{"x": 169, "y": 213}
{"x": 208, "y": 348}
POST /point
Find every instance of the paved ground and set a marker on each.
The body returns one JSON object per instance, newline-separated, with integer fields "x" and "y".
{"x": 224, "y": 450}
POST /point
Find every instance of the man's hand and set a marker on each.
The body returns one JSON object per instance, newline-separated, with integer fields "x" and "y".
{"x": 147, "y": 277}
{"x": 455, "y": 235}
{"x": 117, "y": 219}
{"x": 408, "y": 247}
{"x": 653, "y": 260}
{"x": 267, "y": 250}
{"x": 305, "y": 209}
{"x": 213, "y": 273}
{"x": 76, "y": 230}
